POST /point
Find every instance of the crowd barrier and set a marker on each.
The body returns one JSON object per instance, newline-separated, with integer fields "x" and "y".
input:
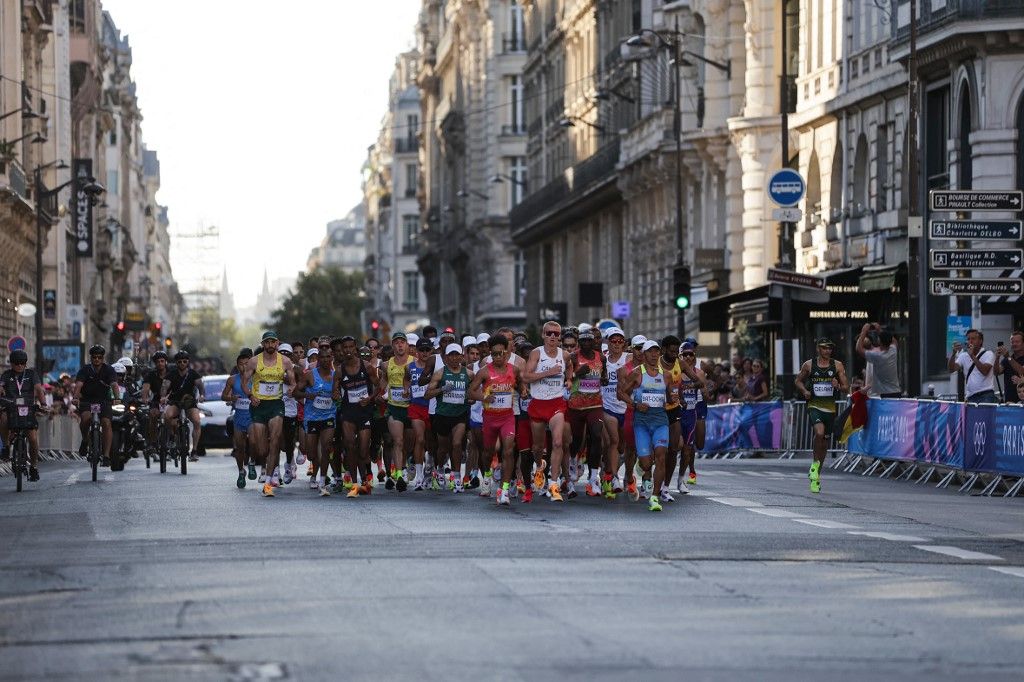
{"x": 774, "y": 428}
{"x": 59, "y": 438}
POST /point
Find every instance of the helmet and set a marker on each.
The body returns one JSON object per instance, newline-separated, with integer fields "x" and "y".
{"x": 119, "y": 368}
{"x": 19, "y": 357}
{"x": 126, "y": 361}
{"x": 159, "y": 355}
{"x": 180, "y": 355}
{"x": 97, "y": 350}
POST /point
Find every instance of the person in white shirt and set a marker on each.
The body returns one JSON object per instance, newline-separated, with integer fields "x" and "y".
{"x": 977, "y": 364}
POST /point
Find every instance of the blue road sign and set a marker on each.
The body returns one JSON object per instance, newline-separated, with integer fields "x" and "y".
{"x": 16, "y": 343}
{"x": 786, "y": 187}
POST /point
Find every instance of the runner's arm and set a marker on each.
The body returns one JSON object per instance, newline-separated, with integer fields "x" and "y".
{"x": 805, "y": 371}
{"x": 475, "y": 392}
{"x": 434, "y": 385}
{"x": 299, "y": 392}
{"x": 227, "y": 395}
{"x": 530, "y": 374}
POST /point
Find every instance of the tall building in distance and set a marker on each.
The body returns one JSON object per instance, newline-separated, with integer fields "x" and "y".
{"x": 344, "y": 245}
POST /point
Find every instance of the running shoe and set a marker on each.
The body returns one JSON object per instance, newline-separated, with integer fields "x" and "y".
{"x": 815, "y": 486}
{"x": 434, "y": 485}
{"x": 300, "y": 458}
{"x": 555, "y": 493}
{"x": 665, "y": 496}
{"x": 381, "y": 475}
{"x": 616, "y": 485}
{"x": 528, "y": 496}
{"x": 485, "y": 487}
{"x": 288, "y": 474}
{"x": 346, "y": 480}
{"x": 474, "y": 483}
{"x": 538, "y": 475}
{"x": 367, "y": 487}
{"x": 275, "y": 482}
{"x": 647, "y": 489}
{"x": 263, "y": 476}
{"x": 459, "y": 487}
{"x": 252, "y": 472}
{"x": 606, "y": 484}
{"x": 310, "y": 472}
{"x": 573, "y": 469}
{"x": 571, "y": 489}
{"x": 241, "y": 479}
{"x": 496, "y": 473}
{"x": 594, "y": 488}
{"x": 681, "y": 488}
{"x": 450, "y": 481}
{"x": 633, "y": 491}
{"x": 400, "y": 485}
{"x": 814, "y": 473}
{"x": 520, "y": 487}
{"x": 313, "y": 484}
{"x": 353, "y": 491}
{"x": 268, "y": 490}
{"x": 417, "y": 484}
{"x": 654, "y": 505}
{"x": 692, "y": 478}
{"x": 389, "y": 484}
{"x": 325, "y": 491}
{"x": 193, "y": 457}
{"x": 502, "y": 497}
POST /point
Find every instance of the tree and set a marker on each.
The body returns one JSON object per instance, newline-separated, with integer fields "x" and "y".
{"x": 325, "y": 301}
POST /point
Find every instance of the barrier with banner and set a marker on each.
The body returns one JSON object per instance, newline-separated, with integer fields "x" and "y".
{"x": 744, "y": 426}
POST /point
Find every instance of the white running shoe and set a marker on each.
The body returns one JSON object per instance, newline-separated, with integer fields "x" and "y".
{"x": 646, "y": 489}
{"x": 288, "y": 474}
{"x": 300, "y": 458}
{"x": 665, "y": 497}
{"x": 502, "y": 497}
{"x": 572, "y": 469}
{"x": 485, "y": 487}
{"x": 313, "y": 485}
{"x": 616, "y": 485}
{"x": 681, "y": 486}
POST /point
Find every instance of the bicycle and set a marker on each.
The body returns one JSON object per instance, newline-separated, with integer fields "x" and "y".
{"x": 174, "y": 444}
{"x": 18, "y": 437}
{"x": 94, "y": 440}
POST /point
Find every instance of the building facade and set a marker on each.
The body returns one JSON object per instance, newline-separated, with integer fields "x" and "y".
{"x": 344, "y": 245}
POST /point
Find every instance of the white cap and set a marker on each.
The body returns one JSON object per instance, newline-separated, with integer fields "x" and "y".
{"x": 452, "y": 348}
{"x": 604, "y": 347}
{"x": 483, "y": 336}
{"x": 119, "y": 368}
{"x": 127, "y": 362}
{"x": 612, "y": 331}
{"x": 638, "y": 340}
{"x": 584, "y": 326}
{"x": 284, "y": 348}
{"x": 437, "y": 341}
{"x": 312, "y": 351}
{"x": 468, "y": 340}
{"x": 412, "y": 339}
{"x": 650, "y": 344}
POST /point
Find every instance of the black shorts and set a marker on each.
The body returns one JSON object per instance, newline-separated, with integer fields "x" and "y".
{"x": 313, "y": 428}
{"x": 28, "y": 423}
{"x": 361, "y": 417}
{"x": 674, "y": 414}
{"x": 106, "y": 409}
{"x": 443, "y": 425}
{"x": 185, "y": 402}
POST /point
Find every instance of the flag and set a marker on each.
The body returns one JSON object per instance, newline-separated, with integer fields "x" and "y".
{"x": 853, "y": 418}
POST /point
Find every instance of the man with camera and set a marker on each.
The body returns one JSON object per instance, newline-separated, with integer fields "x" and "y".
{"x": 878, "y": 347}
{"x": 978, "y": 366}
{"x": 1011, "y": 360}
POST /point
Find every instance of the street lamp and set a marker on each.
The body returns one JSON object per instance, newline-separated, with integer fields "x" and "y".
{"x": 571, "y": 121}
{"x": 464, "y": 193}
{"x": 25, "y": 113}
{"x": 93, "y": 190}
{"x": 499, "y": 178}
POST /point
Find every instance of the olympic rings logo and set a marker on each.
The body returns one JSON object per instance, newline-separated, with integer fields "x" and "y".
{"x": 980, "y": 434}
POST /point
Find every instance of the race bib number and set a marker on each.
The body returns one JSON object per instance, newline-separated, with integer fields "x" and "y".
{"x": 23, "y": 410}
{"x": 323, "y": 402}
{"x": 653, "y": 399}
{"x": 418, "y": 391}
{"x": 823, "y": 390}
{"x": 398, "y": 395}
{"x": 241, "y": 404}
{"x": 590, "y": 385}
{"x": 553, "y": 382}
{"x": 357, "y": 394}
{"x": 501, "y": 401}
{"x": 455, "y": 396}
{"x": 270, "y": 389}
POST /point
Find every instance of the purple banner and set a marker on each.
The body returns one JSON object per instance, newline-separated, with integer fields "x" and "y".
{"x": 890, "y": 431}
{"x": 940, "y": 433}
{"x": 743, "y": 426}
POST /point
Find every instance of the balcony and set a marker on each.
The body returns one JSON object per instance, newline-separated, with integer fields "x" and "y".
{"x": 409, "y": 145}
{"x": 514, "y": 44}
{"x": 934, "y": 14}
{"x": 556, "y": 110}
{"x": 513, "y": 130}
{"x": 612, "y": 59}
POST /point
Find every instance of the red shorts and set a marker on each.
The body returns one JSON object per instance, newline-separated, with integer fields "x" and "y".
{"x": 544, "y": 410}
{"x": 498, "y": 426}
{"x": 419, "y": 413}
{"x": 627, "y": 428}
{"x": 524, "y": 435}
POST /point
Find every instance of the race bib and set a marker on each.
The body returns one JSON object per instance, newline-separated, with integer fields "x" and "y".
{"x": 270, "y": 389}
{"x": 590, "y": 385}
{"x": 553, "y": 382}
{"x": 501, "y": 401}
{"x": 822, "y": 390}
{"x": 241, "y": 404}
{"x": 357, "y": 394}
{"x": 398, "y": 395}
{"x": 418, "y": 391}
{"x": 23, "y": 411}
{"x": 454, "y": 397}
{"x": 323, "y": 402}
{"x": 653, "y": 399}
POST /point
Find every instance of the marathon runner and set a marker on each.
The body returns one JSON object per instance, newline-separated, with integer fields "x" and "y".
{"x": 524, "y": 433}
{"x": 315, "y": 387}
{"x": 495, "y": 385}
{"x": 547, "y": 374}
{"x": 397, "y": 373}
{"x": 695, "y": 410}
{"x": 628, "y": 381}
{"x": 614, "y": 411}
{"x": 827, "y": 377}
{"x": 650, "y": 423}
{"x": 292, "y": 409}
{"x": 419, "y": 405}
{"x": 235, "y": 396}
{"x": 449, "y": 385}
{"x": 268, "y": 376}
{"x": 586, "y": 412}
{"x": 356, "y": 390}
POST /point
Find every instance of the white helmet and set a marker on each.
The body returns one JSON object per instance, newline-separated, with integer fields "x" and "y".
{"x": 126, "y": 361}
{"x": 119, "y": 368}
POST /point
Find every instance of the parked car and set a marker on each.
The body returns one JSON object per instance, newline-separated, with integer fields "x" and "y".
{"x": 214, "y": 414}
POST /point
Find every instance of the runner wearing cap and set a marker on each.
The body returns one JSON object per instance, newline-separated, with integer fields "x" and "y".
{"x": 315, "y": 387}
{"x": 475, "y": 435}
{"x": 586, "y": 411}
{"x": 267, "y": 377}
{"x": 398, "y": 407}
{"x": 650, "y": 421}
{"x": 355, "y": 391}
{"x": 614, "y": 410}
{"x": 419, "y": 405}
{"x": 449, "y": 386}
{"x": 496, "y": 385}
{"x": 691, "y": 394}
{"x": 547, "y": 374}
{"x": 291, "y": 413}
{"x": 628, "y": 381}
{"x": 828, "y": 377}
{"x": 236, "y": 397}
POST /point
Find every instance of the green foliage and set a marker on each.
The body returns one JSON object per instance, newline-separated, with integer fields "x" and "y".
{"x": 325, "y": 301}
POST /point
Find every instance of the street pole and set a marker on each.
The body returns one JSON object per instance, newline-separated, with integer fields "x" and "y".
{"x": 39, "y": 272}
{"x": 915, "y": 369}
{"x": 786, "y": 331}
{"x": 677, "y": 130}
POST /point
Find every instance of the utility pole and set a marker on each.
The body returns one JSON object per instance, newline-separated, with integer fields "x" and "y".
{"x": 915, "y": 228}
{"x": 786, "y": 259}
{"x": 677, "y": 131}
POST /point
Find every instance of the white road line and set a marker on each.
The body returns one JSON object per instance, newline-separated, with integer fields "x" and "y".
{"x": 1017, "y": 571}
{"x": 893, "y": 537}
{"x": 778, "y": 513}
{"x": 965, "y": 554}
{"x": 701, "y": 493}
{"x": 824, "y": 523}
{"x": 736, "y": 502}
{"x": 754, "y": 473}
{"x": 73, "y": 478}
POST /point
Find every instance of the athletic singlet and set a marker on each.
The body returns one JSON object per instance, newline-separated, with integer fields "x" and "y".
{"x": 501, "y": 386}
{"x": 822, "y": 390}
{"x": 586, "y": 390}
{"x": 476, "y": 408}
{"x": 418, "y": 392}
{"x": 397, "y": 395}
{"x": 549, "y": 388}
{"x": 268, "y": 382}
{"x": 651, "y": 392}
{"x": 319, "y": 404}
{"x": 675, "y": 374}
{"x": 609, "y": 397}
{"x": 690, "y": 394}
{"x": 355, "y": 387}
{"x": 241, "y": 402}
{"x": 453, "y": 396}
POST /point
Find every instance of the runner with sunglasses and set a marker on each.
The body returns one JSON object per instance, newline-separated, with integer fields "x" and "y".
{"x": 449, "y": 386}
{"x": 315, "y": 388}
{"x": 356, "y": 387}
{"x": 614, "y": 411}
{"x": 496, "y": 385}
{"x": 827, "y": 378}
{"x": 547, "y": 375}
{"x": 691, "y": 394}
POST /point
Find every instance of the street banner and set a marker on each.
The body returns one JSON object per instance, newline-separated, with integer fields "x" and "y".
{"x": 743, "y": 426}
{"x": 979, "y": 438}
{"x": 940, "y": 431}
{"x": 890, "y": 432}
{"x": 82, "y": 208}
{"x": 1009, "y": 440}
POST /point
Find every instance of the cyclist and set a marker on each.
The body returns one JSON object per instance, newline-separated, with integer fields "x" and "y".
{"x": 151, "y": 393}
{"x": 179, "y": 390}
{"x": 21, "y": 387}
{"x": 95, "y": 385}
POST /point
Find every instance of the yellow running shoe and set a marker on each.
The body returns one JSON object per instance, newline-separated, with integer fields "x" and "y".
{"x": 538, "y": 475}
{"x": 353, "y": 491}
{"x": 268, "y": 490}
{"x": 556, "y": 494}
{"x": 692, "y": 478}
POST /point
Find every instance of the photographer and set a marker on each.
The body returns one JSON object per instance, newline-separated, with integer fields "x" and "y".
{"x": 1011, "y": 360}
{"x": 883, "y": 361}
{"x": 978, "y": 366}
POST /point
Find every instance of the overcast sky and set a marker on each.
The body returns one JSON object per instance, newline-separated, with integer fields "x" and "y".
{"x": 261, "y": 113}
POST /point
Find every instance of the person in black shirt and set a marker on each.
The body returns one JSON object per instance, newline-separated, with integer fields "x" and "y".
{"x": 179, "y": 390}
{"x": 95, "y": 385}
{"x": 151, "y": 393}
{"x": 22, "y": 388}
{"x": 1012, "y": 361}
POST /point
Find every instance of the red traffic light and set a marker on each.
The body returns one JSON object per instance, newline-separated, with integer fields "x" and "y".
{"x": 120, "y": 326}
{"x": 374, "y": 325}
{"x": 157, "y": 326}
{"x": 449, "y": 330}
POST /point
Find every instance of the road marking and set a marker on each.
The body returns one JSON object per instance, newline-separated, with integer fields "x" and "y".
{"x": 888, "y": 536}
{"x": 960, "y": 553}
{"x": 1017, "y": 571}
{"x": 754, "y": 473}
{"x": 824, "y": 523}
{"x": 700, "y": 493}
{"x": 736, "y": 502}
{"x": 73, "y": 478}
{"x": 778, "y": 513}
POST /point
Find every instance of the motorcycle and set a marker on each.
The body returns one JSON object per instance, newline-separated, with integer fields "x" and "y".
{"x": 127, "y": 429}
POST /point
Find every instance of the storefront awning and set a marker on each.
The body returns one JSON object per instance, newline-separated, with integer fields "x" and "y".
{"x": 879, "y": 277}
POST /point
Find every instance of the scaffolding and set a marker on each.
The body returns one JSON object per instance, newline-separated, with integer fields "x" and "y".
{"x": 198, "y": 260}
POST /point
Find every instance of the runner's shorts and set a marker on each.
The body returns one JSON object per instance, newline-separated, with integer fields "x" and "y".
{"x": 581, "y": 419}
{"x": 400, "y": 414}
{"x": 319, "y": 426}
{"x": 443, "y": 425}
{"x": 620, "y": 417}
{"x": 419, "y": 413}
{"x": 266, "y": 410}
{"x": 821, "y": 416}
{"x": 498, "y": 426}
{"x": 688, "y": 424}
{"x": 360, "y": 416}
{"x": 649, "y": 437}
{"x": 524, "y": 434}
{"x": 242, "y": 420}
{"x": 702, "y": 410}
{"x": 544, "y": 410}
{"x": 673, "y": 413}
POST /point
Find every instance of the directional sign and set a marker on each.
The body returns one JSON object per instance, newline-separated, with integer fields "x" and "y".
{"x": 976, "y": 200}
{"x": 967, "y": 259}
{"x": 786, "y": 187}
{"x": 787, "y": 215}
{"x": 944, "y": 286}
{"x": 796, "y": 279}
{"x": 974, "y": 229}
{"x": 621, "y": 310}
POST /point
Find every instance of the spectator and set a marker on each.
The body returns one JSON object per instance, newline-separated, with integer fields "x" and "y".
{"x": 978, "y": 366}
{"x": 878, "y": 347}
{"x": 1012, "y": 363}
{"x": 757, "y": 382}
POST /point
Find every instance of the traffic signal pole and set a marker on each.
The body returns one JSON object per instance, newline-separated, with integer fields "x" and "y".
{"x": 786, "y": 261}
{"x": 677, "y": 130}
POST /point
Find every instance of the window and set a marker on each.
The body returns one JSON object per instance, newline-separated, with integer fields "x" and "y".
{"x": 519, "y": 279}
{"x": 965, "y": 172}
{"x": 412, "y": 126}
{"x": 515, "y": 98}
{"x": 935, "y": 119}
{"x": 882, "y": 168}
{"x": 76, "y": 16}
{"x": 860, "y": 174}
{"x": 112, "y": 183}
{"x": 113, "y": 136}
{"x": 410, "y": 231}
{"x": 411, "y": 177}
{"x": 517, "y": 187}
{"x": 516, "y": 37}
{"x": 410, "y": 290}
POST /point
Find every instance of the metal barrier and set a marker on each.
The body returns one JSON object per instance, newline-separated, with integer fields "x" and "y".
{"x": 797, "y": 435}
{"x": 59, "y": 437}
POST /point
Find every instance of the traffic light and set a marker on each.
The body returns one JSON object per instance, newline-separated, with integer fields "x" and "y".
{"x": 117, "y": 334}
{"x": 158, "y": 328}
{"x": 168, "y": 342}
{"x": 375, "y": 325}
{"x": 681, "y": 287}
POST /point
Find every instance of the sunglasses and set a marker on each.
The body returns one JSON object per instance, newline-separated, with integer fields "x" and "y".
{"x": 689, "y": 355}
{"x": 497, "y": 353}
{"x": 325, "y": 347}
{"x": 552, "y": 333}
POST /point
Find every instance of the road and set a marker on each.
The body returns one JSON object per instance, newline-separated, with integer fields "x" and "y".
{"x": 154, "y": 577}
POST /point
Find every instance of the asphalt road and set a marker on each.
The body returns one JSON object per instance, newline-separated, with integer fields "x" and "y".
{"x": 143, "y": 576}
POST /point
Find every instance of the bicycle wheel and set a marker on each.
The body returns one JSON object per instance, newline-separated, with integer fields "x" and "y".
{"x": 161, "y": 444}
{"x": 20, "y": 460}
{"x": 183, "y": 446}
